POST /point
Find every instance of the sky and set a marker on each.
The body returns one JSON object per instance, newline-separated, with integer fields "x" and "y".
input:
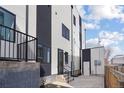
{"x": 105, "y": 22}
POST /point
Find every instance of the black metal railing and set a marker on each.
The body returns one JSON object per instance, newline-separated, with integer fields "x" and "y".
{"x": 16, "y": 45}
{"x": 68, "y": 73}
{"x": 71, "y": 71}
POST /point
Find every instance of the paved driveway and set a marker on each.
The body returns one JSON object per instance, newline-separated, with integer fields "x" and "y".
{"x": 88, "y": 82}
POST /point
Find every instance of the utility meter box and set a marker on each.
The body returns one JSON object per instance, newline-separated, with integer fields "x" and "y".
{"x": 97, "y": 62}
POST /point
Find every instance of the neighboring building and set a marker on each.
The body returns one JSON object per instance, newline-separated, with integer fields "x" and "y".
{"x": 58, "y": 31}
{"x": 117, "y": 60}
{"x": 59, "y": 38}
{"x": 93, "y": 61}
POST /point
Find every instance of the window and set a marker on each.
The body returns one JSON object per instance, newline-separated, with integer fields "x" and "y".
{"x": 66, "y": 57}
{"x": 74, "y": 20}
{"x": 43, "y": 54}
{"x": 65, "y": 32}
{"x": 7, "y": 19}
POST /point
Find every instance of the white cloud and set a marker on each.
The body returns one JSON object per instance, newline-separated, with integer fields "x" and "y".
{"x": 91, "y": 26}
{"x": 116, "y": 50}
{"x": 107, "y": 42}
{"x": 98, "y": 12}
{"x": 107, "y": 38}
{"x": 113, "y": 36}
{"x": 92, "y": 43}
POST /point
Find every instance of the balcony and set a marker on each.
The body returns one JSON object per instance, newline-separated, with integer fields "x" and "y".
{"x": 16, "y": 45}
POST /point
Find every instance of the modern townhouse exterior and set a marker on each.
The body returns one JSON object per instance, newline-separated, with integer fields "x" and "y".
{"x": 57, "y": 29}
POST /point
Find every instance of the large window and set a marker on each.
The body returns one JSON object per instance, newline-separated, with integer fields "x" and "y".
{"x": 66, "y": 57}
{"x": 65, "y": 32}
{"x": 7, "y": 19}
{"x": 43, "y": 54}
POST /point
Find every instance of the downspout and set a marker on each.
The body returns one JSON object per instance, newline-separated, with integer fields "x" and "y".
{"x": 26, "y": 28}
{"x": 80, "y": 44}
{"x": 72, "y": 61}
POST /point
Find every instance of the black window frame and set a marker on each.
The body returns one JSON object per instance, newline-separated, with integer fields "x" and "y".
{"x": 14, "y": 27}
{"x": 65, "y": 32}
{"x": 74, "y": 20}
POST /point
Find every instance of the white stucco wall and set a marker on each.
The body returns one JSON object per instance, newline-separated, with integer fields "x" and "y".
{"x": 83, "y": 38}
{"x": 97, "y": 54}
{"x": 76, "y": 39}
{"x": 32, "y": 20}
{"x": 64, "y": 16}
{"x": 60, "y": 14}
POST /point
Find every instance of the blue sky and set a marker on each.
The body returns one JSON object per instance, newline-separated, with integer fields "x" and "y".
{"x": 105, "y": 22}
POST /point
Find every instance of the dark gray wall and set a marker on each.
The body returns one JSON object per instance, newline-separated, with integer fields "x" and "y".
{"x": 44, "y": 25}
{"x": 86, "y": 55}
{"x": 19, "y": 75}
{"x": 44, "y": 33}
{"x": 45, "y": 69}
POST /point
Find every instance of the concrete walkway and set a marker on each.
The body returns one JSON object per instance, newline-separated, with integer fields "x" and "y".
{"x": 88, "y": 82}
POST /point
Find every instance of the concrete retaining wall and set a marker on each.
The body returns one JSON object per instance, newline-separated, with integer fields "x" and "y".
{"x": 19, "y": 75}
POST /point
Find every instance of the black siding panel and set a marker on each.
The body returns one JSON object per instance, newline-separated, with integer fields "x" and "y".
{"x": 44, "y": 25}
{"x": 44, "y": 33}
{"x": 86, "y": 55}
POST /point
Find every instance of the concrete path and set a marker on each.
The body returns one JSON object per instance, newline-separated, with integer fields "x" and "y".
{"x": 88, "y": 82}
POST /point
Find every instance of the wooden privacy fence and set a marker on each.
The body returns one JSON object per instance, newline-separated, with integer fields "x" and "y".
{"x": 114, "y": 77}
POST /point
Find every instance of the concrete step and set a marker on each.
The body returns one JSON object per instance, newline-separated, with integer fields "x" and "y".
{"x": 55, "y": 81}
{"x": 68, "y": 78}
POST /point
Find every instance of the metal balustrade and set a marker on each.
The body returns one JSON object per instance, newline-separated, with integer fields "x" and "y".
{"x": 68, "y": 73}
{"x": 16, "y": 45}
